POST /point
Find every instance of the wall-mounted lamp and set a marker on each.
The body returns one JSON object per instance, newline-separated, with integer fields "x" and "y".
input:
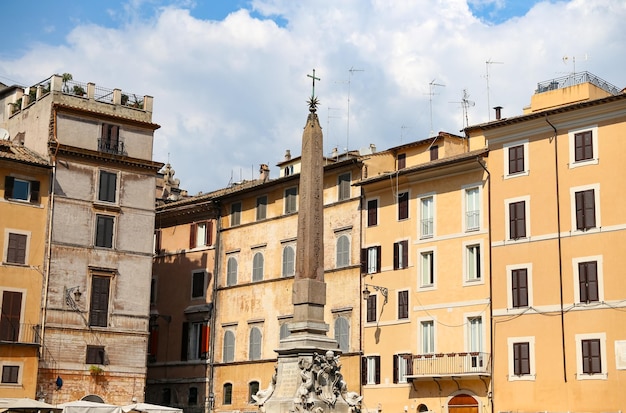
{"x": 75, "y": 291}
{"x": 384, "y": 291}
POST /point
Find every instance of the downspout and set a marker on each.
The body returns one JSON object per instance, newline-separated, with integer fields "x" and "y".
{"x": 491, "y": 329}
{"x": 361, "y": 328}
{"x": 558, "y": 236}
{"x": 210, "y": 387}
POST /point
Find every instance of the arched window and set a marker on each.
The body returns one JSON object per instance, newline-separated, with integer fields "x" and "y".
{"x": 253, "y": 388}
{"x": 257, "y": 267}
{"x": 229, "y": 346}
{"x": 231, "y": 271}
{"x": 422, "y": 408}
{"x": 255, "y": 344}
{"x": 343, "y": 251}
{"x": 284, "y": 330}
{"x": 228, "y": 393}
{"x": 342, "y": 333}
{"x": 289, "y": 261}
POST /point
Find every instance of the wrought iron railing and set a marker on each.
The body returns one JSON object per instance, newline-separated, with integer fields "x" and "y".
{"x": 427, "y": 365}
{"x": 20, "y": 333}
{"x": 111, "y": 146}
{"x": 576, "y": 79}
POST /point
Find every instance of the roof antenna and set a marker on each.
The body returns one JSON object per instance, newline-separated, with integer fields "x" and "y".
{"x": 432, "y": 84}
{"x": 487, "y": 63}
{"x": 351, "y": 71}
{"x": 465, "y": 103}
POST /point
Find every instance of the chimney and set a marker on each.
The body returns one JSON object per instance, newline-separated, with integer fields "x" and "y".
{"x": 498, "y": 112}
{"x": 373, "y": 148}
{"x": 264, "y": 173}
{"x": 335, "y": 153}
{"x": 288, "y": 155}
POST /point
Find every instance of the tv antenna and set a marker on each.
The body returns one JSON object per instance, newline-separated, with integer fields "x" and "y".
{"x": 402, "y": 128}
{"x": 465, "y": 103}
{"x": 329, "y": 117}
{"x": 351, "y": 72}
{"x": 573, "y": 58}
{"x": 432, "y": 84}
{"x": 487, "y": 63}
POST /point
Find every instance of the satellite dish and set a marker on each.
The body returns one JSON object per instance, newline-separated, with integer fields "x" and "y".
{"x": 4, "y": 134}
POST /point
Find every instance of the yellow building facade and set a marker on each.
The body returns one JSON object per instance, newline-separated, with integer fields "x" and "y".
{"x": 24, "y": 189}
{"x": 558, "y": 230}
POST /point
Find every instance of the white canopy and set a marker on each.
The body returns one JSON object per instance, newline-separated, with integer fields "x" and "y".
{"x": 24, "y": 404}
{"x": 150, "y": 408}
{"x": 83, "y": 406}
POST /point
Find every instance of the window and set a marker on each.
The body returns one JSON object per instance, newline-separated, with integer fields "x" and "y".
{"x": 401, "y": 161}
{"x": 583, "y": 146}
{"x": 99, "y": 304}
{"x": 10, "y": 374}
{"x": 110, "y": 139}
{"x": 200, "y": 234}
{"x": 107, "y": 186}
{"x": 591, "y": 357}
{"x": 343, "y": 186}
{"x": 427, "y": 269}
{"x": 153, "y": 341}
{"x": 11, "y": 316}
{"x": 289, "y": 261}
{"x": 517, "y": 220}
{"x": 343, "y": 251}
{"x": 403, "y": 305}
{"x": 192, "y": 396}
{"x": 371, "y": 308}
{"x": 371, "y": 260}
{"x": 231, "y": 271}
{"x": 372, "y": 212}
{"x": 158, "y": 237}
{"x": 403, "y": 206}
{"x": 284, "y": 330}
{"x": 400, "y": 255}
{"x": 516, "y": 159}
{"x": 153, "y": 290}
{"x": 166, "y": 396}
{"x": 104, "y": 231}
{"x": 253, "y": 389}
{"x": 257, "y": 266}
{"x": 229, "y": 347}
{"x": 235, "y": 214}
{"x": 472, "y": 209}
{"x": 402, "y": 366}
{"x": 228, "y": 393}
{"x": 261, "y": 207}
{"x": 427, "y": 334}
{"x": 588, "y": 281}
{"x": 95, "y": 355}
{"x": 519, "y": 287}
{"x": 21, "y": 189}
{"x": 198, "y": 286}
{"x": 427, "y": 211}
{"x": 342, "y": 333}
{"x": 370, "y": 370}
{"x": 254, "y": 352}
{"x": 16, "y": 248}
{"x": 585, "y": 209}
{"x": 473, "y": 269}
{"x": 434, "y": 153}
{"x": 521, "y": 358}
{"x": 291, "y": 197}
{"x": 475, "y": 340}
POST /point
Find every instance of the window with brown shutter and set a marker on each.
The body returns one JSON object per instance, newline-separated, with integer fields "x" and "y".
{"x": 588, "y": 281}
{"x": 198, "y": 284}
{"x": 10, "y": 374}
{"x": 521, "y": 359}
{"x": 372, "y": 212}
{"x": 583, "y": 146}
{"x": 99, "y": 305}
{"x": 519, "y": 286}
{"x": 104, "y": 231}
{"x": 95, "y": 355}
{"x": 516, "y": 159}
{"x": 401, "y": 161}
{"x": 16, "y": 248}
{"x": 11, "y": 316}
{"x": 434, "y": 153}
{"x": 403, "y": 205}
{"x": 403, "y": 305}
{"x": 371, "y": 308}
{"x": 343, "y": 186}
{"x": 517, "y": 220}
{"x": 592, "y": 359}
{"x": 400, "y": 255}
{"x": 585, "y": 209}
{"x": 107, "y": 186}
{"x": 21, "y": 189}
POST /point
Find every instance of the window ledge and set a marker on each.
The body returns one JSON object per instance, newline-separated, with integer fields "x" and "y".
{"x": 15, "y": 264}
{"x": 596, "y": 376}
{"x": 105, "y": 206}
{"x": 586, "y": 162}
{"x": 516, "y": 174}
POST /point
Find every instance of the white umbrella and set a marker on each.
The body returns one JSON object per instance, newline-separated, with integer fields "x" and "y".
{"x": 150, "y": 408}
{"x": 24, "y": 404}
{"x": 84, "y": 406}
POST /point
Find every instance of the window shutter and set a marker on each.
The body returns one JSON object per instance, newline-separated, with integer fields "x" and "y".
{"x": 154, "y": 341}
{"x": 115, "y": 135}
{"x": 16, "y": 250}
{"x": 157, "y": 241}
{"x": 363, "y": 370}
{"x": 378, "y": 258}
{"x": 98, "y": 313}
{"x": 409, "y": 364}
{"x": 34, "y": 192}
{"x": 204, "y": 343}
{"x": 10, "y": 320}
{"x": 377, "y": 375}
{"x": 396, "y": 253}
{"x": 192, "y": 235}
{"x": 363, "y": 260}
{"x": 405, "y": 253}
{"x": 184, "y": 342}
{"x": 209, "y": 233}
{"x": 8, "y": 187}
{"x": 590, "y": 209}
{"x": 395, "y": 368}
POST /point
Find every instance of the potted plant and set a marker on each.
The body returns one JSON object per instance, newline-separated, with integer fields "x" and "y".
{"x": 124, "y": 99}
{"x": 16, "y": 106}
{"x": 78, "y": 90}
{"x": 96, "y": 370}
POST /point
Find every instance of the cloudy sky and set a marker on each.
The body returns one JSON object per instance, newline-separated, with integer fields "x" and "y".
{"x": 229, "y": 77}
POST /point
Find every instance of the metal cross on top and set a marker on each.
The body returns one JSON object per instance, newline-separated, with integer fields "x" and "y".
{"x": 314, "y": 79}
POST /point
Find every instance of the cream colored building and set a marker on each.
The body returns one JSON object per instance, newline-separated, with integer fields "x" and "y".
{"x": 558, "y": 231}
{"x": 425, "y": 256}
{"x": 24, "y": 183}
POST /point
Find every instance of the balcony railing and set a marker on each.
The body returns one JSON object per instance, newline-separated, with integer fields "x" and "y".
{"x": 19, "y": 333}
{"x": 111, "y": 146}
{"x": 451, "y": 364}
{"x": 576, "y": 79}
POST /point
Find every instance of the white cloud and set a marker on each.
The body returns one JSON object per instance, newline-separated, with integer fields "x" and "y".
{"x": 231, "y": 94}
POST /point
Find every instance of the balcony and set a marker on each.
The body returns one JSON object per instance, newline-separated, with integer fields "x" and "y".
{"x": 114, "y": 146}
{"x": 451, "y": 366}
{"x": 19, "y": 333}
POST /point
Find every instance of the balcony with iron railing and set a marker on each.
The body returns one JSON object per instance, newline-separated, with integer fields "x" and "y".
{"x": 471, "y": 365}
{"x": 576, "y": 79}
{"x": 113, "y": 146}
{"x": 13, "y": 333}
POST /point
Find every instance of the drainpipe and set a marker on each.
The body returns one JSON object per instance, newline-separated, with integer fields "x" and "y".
{"x": 361, "y": 328}
{"x": 210, "y": 387}
{"x": 558, "y": 236}
{"x": 491, "y": 329}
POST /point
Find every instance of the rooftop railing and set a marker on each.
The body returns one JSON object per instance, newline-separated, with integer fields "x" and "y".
{"x": 576, "y": 79}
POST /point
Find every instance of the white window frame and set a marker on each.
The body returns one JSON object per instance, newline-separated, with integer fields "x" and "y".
{"x": 481, "y": 337}
{"x": 20, "y": 372}
{"x": 30, "y": 189}
{"x": 572, "y": 146}
{"x": 194, "y": 340}
{"x": 403, "y": 367}
{"x": 596, "y": 200}
{"x": 113, "y": 230}
{"x": 599, "y": 265}
{"x": 579, "y": 356}
{"x": 422, "y": 322}
{"x": 432, "y": 216}
{"x": 505, "y": 149}
{"x": 5, "y": 252}
{"x": 201, "y": 233}
{"x": 480, "y": 279}
{"x": 117, "y": 187}
{"x": 420, "y": 258}
{"x": 507, "y": 228}
{"x": 408, "y": 205}
{"x": 466, "y": 207}
{"x": 372, "y": 259}
{"x": 528, "y": 266}
{"x": 531, "y": 358}
{"x": 371, "y": 369}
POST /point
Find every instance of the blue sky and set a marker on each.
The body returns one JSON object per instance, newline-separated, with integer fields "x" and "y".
{"x": 229, "y": 77}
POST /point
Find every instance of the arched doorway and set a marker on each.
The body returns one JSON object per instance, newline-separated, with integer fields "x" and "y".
{"x": 422, "y": 408}
{"x": 93, "y": 398}
{"x": 462, "y": 403}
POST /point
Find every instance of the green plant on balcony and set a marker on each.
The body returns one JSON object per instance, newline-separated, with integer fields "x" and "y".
{"x": 15, "y": 107}
{"x": 78, "y": 90}
{"x": 66, "y": 77}
{"x": 96, "y": 370}
{"x": 137, "y": 102}
{"x": 124, "y": 99}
